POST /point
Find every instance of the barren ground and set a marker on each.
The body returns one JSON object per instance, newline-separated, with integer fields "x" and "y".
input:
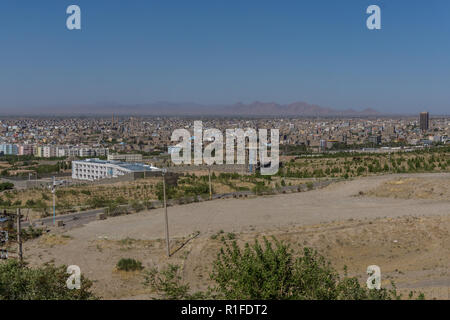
{"x": 357, "y": 223}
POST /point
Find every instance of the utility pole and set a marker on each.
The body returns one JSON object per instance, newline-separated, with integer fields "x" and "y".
{"x": 19, "y": 240}
{"x": 54, "y": 201}
{"x": 389, "y": 162}
{"x": 165, "y": 212}
{"x": 210, "y": 187}
{"x": 29, "y": 178}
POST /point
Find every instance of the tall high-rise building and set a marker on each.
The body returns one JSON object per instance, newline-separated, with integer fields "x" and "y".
{"x": 424, "y": 121}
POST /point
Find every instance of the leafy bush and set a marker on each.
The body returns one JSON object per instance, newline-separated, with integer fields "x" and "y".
{"x": 47, "y": 168}
{"x": 170, "y": 191}
{"x": 31, "y": 233}
{"x": 197, "y": 189}
{"x": 26, "y": 234}
{"x": 19, "y": 282}
{"x": 260, "y": 188}
{"x": 129, "y": 265}
{"x": 231, "y": 236}
{"x": 113, "y": 210}
{"x": 269, "y": 271}
{"x": 168, "y": 282}
{"x": 6, "y": 186}
{"x": 137, "y": 206}
{"x": 45, "y": 196}
{"x": 98, "y": 202}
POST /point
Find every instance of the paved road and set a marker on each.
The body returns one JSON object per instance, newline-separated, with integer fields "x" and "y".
{"x": 70, "y": 220}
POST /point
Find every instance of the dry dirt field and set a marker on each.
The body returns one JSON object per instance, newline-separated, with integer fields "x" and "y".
{"x": 380, "y": 220}
{"x": 434, "y": 188}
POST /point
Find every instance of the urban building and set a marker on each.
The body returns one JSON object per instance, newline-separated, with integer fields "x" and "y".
{"x": 375, "y": 139}
{"x": 49, "y": 151}
{"x": 323, "y": 144}
{"x": 25, "y": 149}
{"x": 95, "y": 169}
{"x": 95, "y": 137}
{"x": 37, "y": 151}
{"x": 9, "y": 149}
{"x": 92, "y": 152}
{"x": 424, "y": 121}
{"x": 135, "y": 157}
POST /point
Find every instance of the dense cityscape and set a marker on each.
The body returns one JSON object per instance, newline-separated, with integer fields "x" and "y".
{"x": 96, "y": 137}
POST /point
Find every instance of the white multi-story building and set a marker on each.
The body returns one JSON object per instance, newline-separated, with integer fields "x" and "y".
{"x": 73, "y": 152}
{"x": 92, "y": 152}
{"x": 135, "y": 157}
{"x": 49, "y": 151}
{"x": 95, "y": 169}
{"x": 62, "y": 152}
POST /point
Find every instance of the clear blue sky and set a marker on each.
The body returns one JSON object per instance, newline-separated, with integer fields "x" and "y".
{"x": 210, "y": 51}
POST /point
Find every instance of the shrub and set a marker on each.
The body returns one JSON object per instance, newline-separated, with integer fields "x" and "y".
{"x": 137, "y": 206}
{"x": 114, "y": 210}
{"x": 260, "y": 188}
{"x": 45, "y": 196}
{"x": 168, "y": 282}
{"x": 129, "y": 265}
{"x": 98, "y": 202}
{"x": 6, "y": 186}
{"x": 231, "y": 236}
{"x": 170, "y": 191}
{"x": 31, "y": 233}
{"x": 18, "y": 282}
{"x": 269, "y": 271}
{"x": 47, "y": 168}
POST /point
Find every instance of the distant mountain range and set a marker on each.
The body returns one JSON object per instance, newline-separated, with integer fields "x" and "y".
{"x": 293, "y": 109}
{"x": 255, "y": 109}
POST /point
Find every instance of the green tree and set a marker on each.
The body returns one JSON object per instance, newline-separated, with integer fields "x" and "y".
{"x": 6, "y": 186}
{"x": 19, "y": 282}
{"x": 270, "y": 271}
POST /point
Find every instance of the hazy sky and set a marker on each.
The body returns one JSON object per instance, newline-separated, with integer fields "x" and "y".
{"x": 210, "y": 51}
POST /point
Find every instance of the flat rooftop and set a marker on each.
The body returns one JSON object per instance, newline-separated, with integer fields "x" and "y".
{"x": 135, "y": 167}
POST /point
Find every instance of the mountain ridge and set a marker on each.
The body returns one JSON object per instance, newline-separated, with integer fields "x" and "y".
{"x": 256, "y": 108}
{"x": 162, "y": 108}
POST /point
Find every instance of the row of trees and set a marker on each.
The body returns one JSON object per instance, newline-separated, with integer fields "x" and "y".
{"x": 347, "y": 166}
